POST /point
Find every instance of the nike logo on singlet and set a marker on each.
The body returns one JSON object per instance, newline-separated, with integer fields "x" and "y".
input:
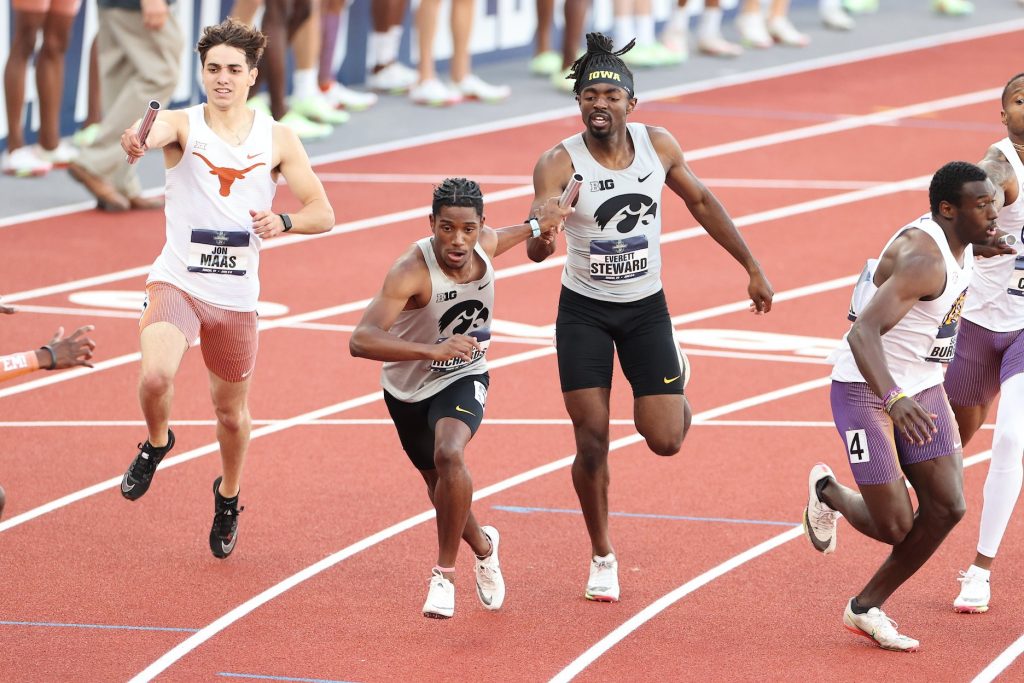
{"x": 640, "y": 180}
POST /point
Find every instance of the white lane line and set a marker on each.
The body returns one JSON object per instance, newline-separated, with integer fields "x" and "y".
{"x": 999, "y": 664}
{"x": 661, "y": 604}
{"x": 514, "y": 271}
{"x": 212, "y": 629}
{"x": 876, "y": 118}
{"x": 757, "y": 75}
{"x": 751, "y": 183}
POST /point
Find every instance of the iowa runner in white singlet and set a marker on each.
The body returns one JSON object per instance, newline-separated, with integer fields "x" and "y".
{"x": 430, "y": 324}
{"x": 612, "y": 296}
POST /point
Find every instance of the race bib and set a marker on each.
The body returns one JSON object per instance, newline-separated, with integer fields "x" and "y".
{"x": 223, "y": 252}
{"x": 483, "y": 338}
{"x": 621, "y": 259}
{"x": 1015, "y": 286}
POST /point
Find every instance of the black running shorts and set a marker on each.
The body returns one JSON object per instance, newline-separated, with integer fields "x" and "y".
{"x": 463, "y": 400}
{"x": 588, "y": 331}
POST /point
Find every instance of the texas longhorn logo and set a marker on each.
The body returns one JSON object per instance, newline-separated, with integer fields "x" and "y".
{"x": 227, "y": 176}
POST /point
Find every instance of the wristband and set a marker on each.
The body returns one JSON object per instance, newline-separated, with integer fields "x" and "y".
{"x": 890, "y": 399}
{"x": 53, "y": 357}
{"x": 534, "y": 226}
{"x": 286, "y": 219}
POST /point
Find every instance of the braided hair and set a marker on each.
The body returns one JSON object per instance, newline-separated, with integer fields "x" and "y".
{"x": 601, "y": 56}
{"x": 458, "y": 192}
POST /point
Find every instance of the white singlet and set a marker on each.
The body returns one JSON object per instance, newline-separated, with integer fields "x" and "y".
{"x": 211, "y": 251}
{"x": 917, "y": 346}
{"x": 453, "y": 309}
{"x": 996, "y": 298}
{"x": 613, "y": 239}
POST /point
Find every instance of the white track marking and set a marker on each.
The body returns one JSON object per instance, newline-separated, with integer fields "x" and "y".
{"x": 999, "y": 664}
{"x": 212, "y": 629}
{"x": 666, "y": 601}
{"x": 853, "y": 122}
{"x": 757, "y": 75}
{"x": 68, "y": 310}
{"x": 554, "y": 262}
{"x": 752, "y": 183}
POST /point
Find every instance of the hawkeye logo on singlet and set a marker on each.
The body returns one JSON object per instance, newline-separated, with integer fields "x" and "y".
{"x": 227, "y": 176}
{"x": 467, "y": 317}
{"x": 593, "y": 75}
{"x": 626, "y": 211}
{"x": 944, "y": 346}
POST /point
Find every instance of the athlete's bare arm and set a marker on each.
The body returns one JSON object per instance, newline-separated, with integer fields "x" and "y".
{"x": 1000, "y": 172}
{"x": 708, "y": 211}
{"x": 406, "y": 286}
{"x": 169, "y": 129}
{"x": 291, "y": 161}
{"x": 911, "y": 269}
{"x": 550, "y": 215}
{"x": 550, "y": 176}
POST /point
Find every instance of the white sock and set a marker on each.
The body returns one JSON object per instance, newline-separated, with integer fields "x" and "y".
{"x": 680, "y": 20}
{"x": 644, "y": 29}
{"x": 1005, "y": 472}
{"x": 304, "y": 84}
{"x": 710, "y": 27}
{"x": 393, "y": 43}
{"x": 623, "y": 31}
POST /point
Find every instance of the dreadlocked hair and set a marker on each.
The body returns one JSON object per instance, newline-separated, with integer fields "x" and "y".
{"x": 458, "y": 192}
{"x": 599, "y": 54}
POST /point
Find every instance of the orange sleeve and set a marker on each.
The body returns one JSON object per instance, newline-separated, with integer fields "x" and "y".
{"x": 18, "y": 364}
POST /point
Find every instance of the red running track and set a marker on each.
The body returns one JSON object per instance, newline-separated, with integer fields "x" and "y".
{"x": 326, "y": 476}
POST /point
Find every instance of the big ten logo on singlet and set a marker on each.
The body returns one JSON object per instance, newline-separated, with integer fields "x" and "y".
{"x": 621, "y": 259}
{"x": 863, "y": 290}
{"x": 945, "y": 340}
{"x": 224, "y": 252}
{"x": 626, "y": 212}
{"x": 602, "y": 185}
{"x": 226, "y": 175}
{"x": 466, "y": 317}
{"x": 1016, "y": 285}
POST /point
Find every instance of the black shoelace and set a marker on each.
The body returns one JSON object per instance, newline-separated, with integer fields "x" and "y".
{"x": 226, "y": 521}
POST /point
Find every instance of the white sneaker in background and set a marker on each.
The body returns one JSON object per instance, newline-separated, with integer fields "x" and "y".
{"x": 975, "y": 591}
{"x": 677, "y": 42}
{"x": 782, "y": 30}
{"x": 837, "y": 20}
{"x": 603, "y": 585}
{"x": 25, "y": 162}
{"x": 753, "y": 30}
{"x": 340, "y": 97}
{"x": 474, "y": 87}
{"x": 440, "y": 602}
{"x": 560, "y": 79}
{"x": 395, "y": 78}
{"x": 717, "y": 46}
{"x": 875, "y": 626}
{"x": 434, "y": 93}
{"x": 490, "y": 585}
{"x": 304, "y": 128}
{"x": 317, "y": 108}
{"x": 62, "y": 155}
{"x": 821, "y": 522}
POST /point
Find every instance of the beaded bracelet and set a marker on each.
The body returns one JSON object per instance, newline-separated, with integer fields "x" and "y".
{"x": 890, "y": 399}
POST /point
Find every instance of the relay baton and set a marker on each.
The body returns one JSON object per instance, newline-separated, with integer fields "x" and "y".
{"x": 147, "y": 122}
{"x": 572, "y": 190}
{"x": 1007, "y": 240}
